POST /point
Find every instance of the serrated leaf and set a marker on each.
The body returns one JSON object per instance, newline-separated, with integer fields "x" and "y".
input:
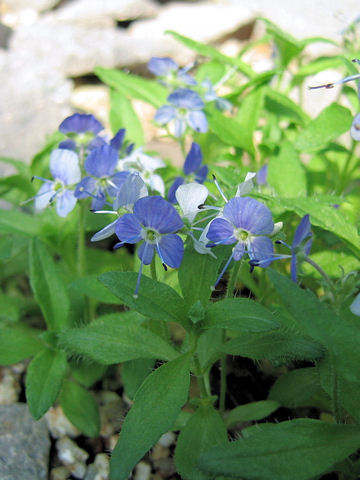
{"x": 16, "y": 344}
{"x": 322, "y": 215}
{"x": 48, "y": 287}
{"x": 80, "y": 408}
{"x": 155, "y": 299}
{"x": 286, "y": 173}
{"x": 45, "y": 375}
{"x": 93, "y": 288}
{"x": 331, "y": 122}
{"x": 133, "y": 86}
{"x": 298, "y": 449}
{"x": 299, "y": 388}
{"x": 251, "y": 411}
{"x": 123, "y": 115}
{"x": 116, "y": 338}
{"x": 156, "y": 406}
{"x": 240, "y": 314}
{"x": 204, "y": 429}
{"x": 277, "y": 345}
{"x": 134, "y": 372}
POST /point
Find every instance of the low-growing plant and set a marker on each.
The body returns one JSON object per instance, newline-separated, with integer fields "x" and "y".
{"x": 251, "y": 249}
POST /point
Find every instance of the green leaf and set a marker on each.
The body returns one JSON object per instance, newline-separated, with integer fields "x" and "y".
{"x": 332, "y": 122}
{"x": 16, "y": 344}
{"x": 197, "y": 274}
{"x": 288, "y": 46}
{"x": 322, "y": 215}
{"x": 122, "y": 114}
{"x": 286, "y": 173}
{"x": 208, "y": 51}
{"x": 87, "y": 372}
{"x": 134, "y": 372}
{"x": 278, "y": 345}
{"x": 299, "y": 388}
{"x": 48, "y": 287}
{"x": 93, "y": 288}
{"x": 44, "y": 379}
{"x": 12, "y": 221}
{"x": 155, "y": 299}
{"x": 251, "y": 411}
{"x": 131, "y": 85}
{"x": 318, "y": 65}
{"x": 81, "y": 409}
{"x": 116, "y": 338}
{"x": 20, "y": 166}
{"x": 241, "y": 314}
{"x": 156, "y": 406}
{"x": 298, "y": 450}
{"x": 228, "y": 130}
{"x": 247, "y": 117}
{"x": 282, "y": 106}
{"x": 204, "y": 429}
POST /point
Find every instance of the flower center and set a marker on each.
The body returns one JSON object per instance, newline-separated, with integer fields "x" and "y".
{"x": 150, "y": 235}
{"x": 58, "y": 185}
{"x": 241, "y": 234}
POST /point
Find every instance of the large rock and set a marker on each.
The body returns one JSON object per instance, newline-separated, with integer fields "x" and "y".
{"x": 24, "y": 444}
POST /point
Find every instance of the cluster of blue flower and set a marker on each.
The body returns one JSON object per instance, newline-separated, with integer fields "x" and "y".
{"x": 115, "y": 174}
{"x": 186, "y": 100}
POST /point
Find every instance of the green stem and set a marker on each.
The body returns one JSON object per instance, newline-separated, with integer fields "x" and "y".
{"x": 153, "y": 269}
{"x": 200, "y": 378}
{"x": 324, "y": 276}
{"x": 223, "y": 370}
{"x": 343, "y": 180}
{"x": 81, "y": 259}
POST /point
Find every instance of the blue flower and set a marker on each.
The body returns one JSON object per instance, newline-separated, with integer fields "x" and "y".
{"x": 129, "y": 192}
{"x": 210, "y": 95}
{"x": 193, "y": 169}
{"x": 185, "y": 109}
{"x": 100, "y": 163}
{"x": 245, "y": 222}
{"x": 169, "y": 72}
{"x": 80, "y": 123}
{"x": 154, "y": 223}
{"x": 65, "y": 169}
{"x": 300, "y": 247}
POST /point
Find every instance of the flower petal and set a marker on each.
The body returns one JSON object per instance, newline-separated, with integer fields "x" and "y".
{"x": 85, "y": 188}
{"x": 172, "y": 190}
{"x": 246, "y": 186}
{"x": 65, "y": 202}
{"x": 146, "y": 252}
{"x": 189, "y": 197}
{"x": 130, "y": 191}
{"x": 193, "y": 159}
{"x": 171, "y": 248}
{"x": 155, "y": 212}
{"x": 80, "y": 123}
{"x": 261, "y": 249}
{"x": 303, "y": 231}
{"x": 117, "y": 141}
{"x": 249, "y": 214}
{"x": 355, "y": 306}
{"x": 161, "y": 66}
{"x": 44, "y": 196}
{"x": 104, "y": 232}
{"x": 64, "y": 166}
{"x": 221, "y": 231}
{"x": 101, "y": 161}
{"x": 165, "y": 114}
{"x": 198, "y": 121}
{"x": 128, "y": 228}
{"x": 186, "y": 98}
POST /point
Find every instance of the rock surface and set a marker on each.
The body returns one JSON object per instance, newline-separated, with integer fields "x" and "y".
{"x": 24, "y": 444}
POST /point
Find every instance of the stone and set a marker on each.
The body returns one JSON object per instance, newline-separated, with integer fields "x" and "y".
{"x": 24, "y": 444}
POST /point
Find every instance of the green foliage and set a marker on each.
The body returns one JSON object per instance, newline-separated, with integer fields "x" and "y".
{"x": 298, "y": 449}
{"x": 44, "y": 380}
{"x": 116, "y": 338}
{"x": 80, "y": 407}
{"x": 156, "y": 406}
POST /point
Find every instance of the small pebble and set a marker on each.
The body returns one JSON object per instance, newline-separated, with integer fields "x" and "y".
{"x": 142, "y": 471}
